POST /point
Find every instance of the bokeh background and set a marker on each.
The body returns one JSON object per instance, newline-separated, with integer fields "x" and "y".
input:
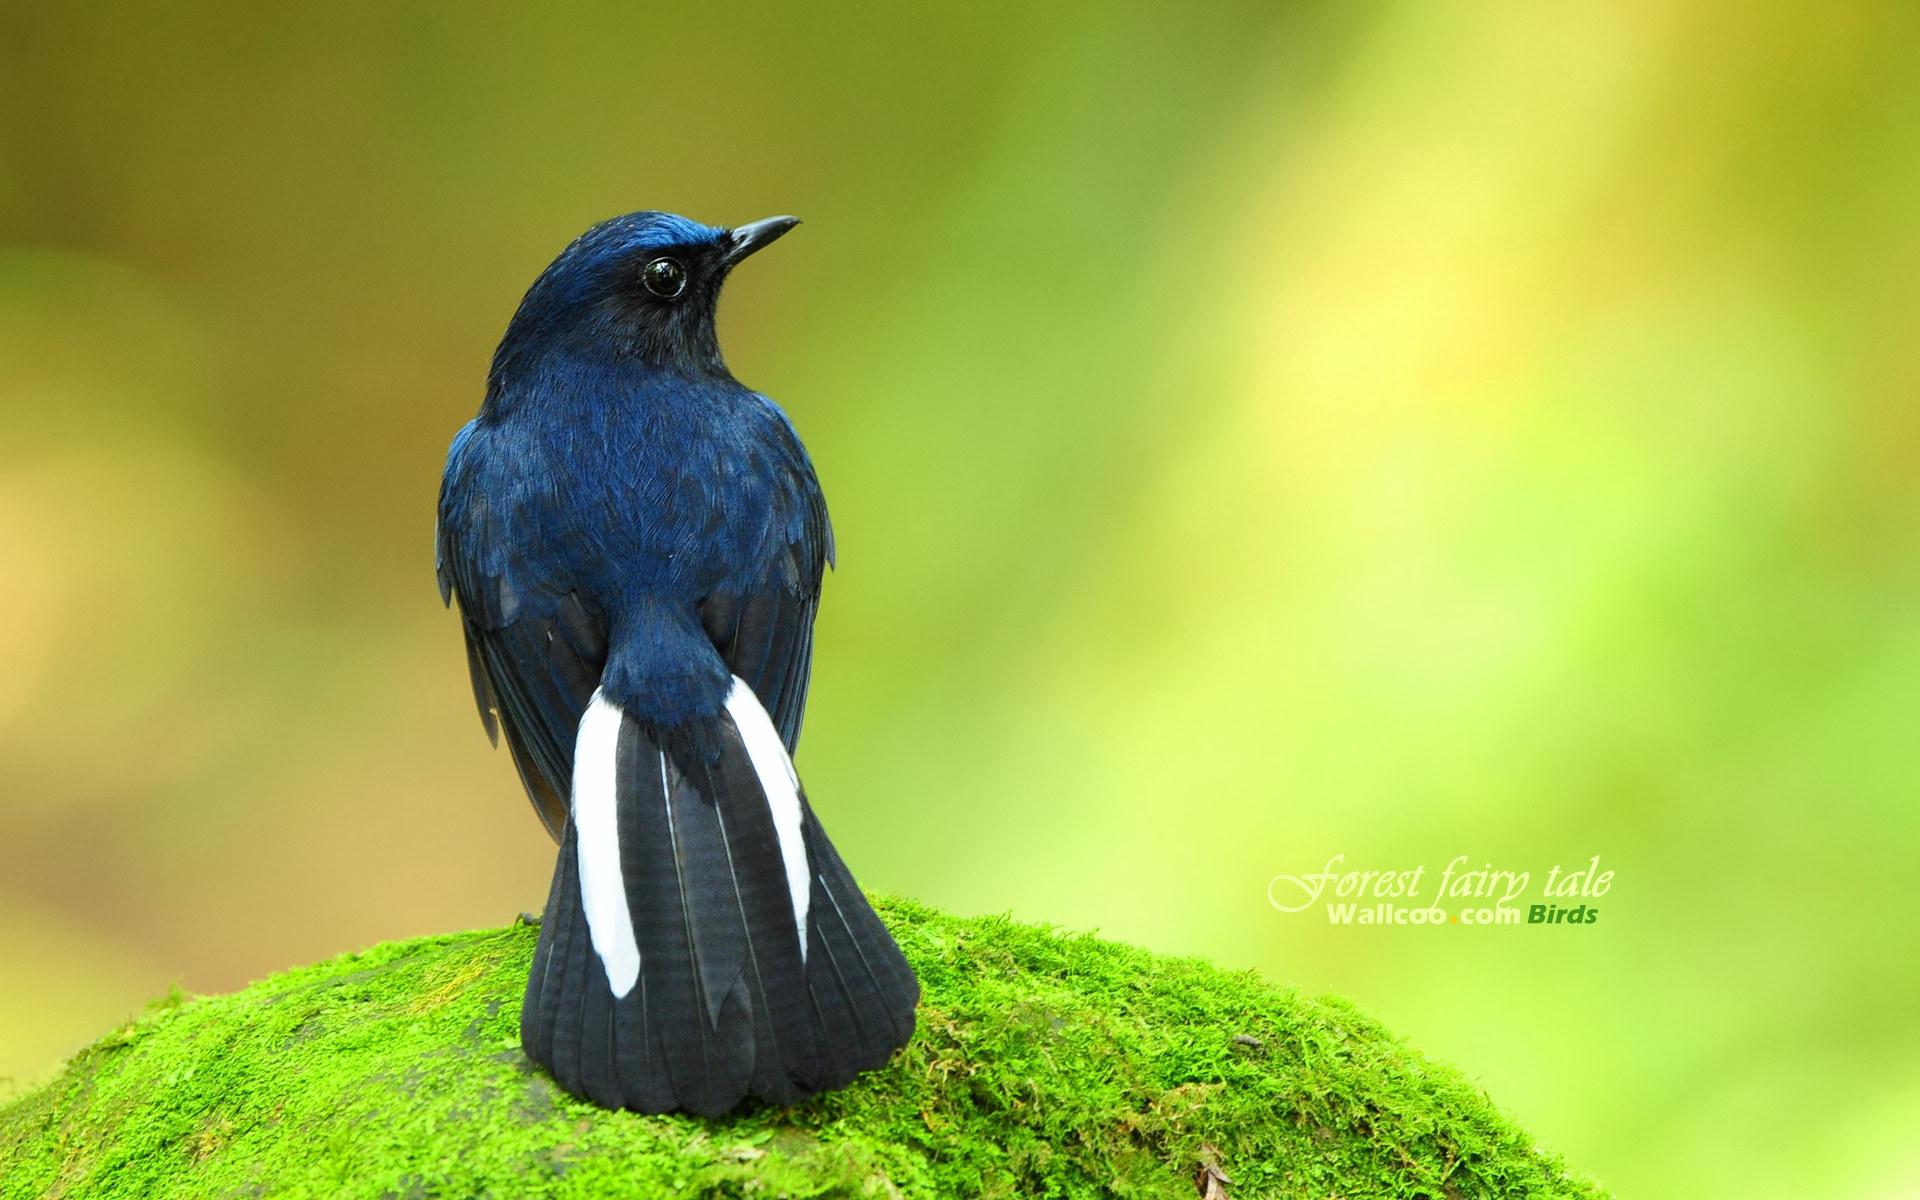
{"x": 1255, "y": 433}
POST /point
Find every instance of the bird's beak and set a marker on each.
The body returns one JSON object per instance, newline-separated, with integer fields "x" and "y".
{"x": 745, "y": 239}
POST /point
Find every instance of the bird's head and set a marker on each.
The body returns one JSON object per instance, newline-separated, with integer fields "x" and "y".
{"x": 642, "y": 287}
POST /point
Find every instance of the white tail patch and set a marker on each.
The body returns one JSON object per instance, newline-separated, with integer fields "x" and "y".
{"x": 768, "y": 754}
{"x": 596, "y": 820}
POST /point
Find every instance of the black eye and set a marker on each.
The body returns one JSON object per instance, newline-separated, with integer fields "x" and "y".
{"x": 664, "y": 277}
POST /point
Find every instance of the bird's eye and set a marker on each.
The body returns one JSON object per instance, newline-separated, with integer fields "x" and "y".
{"x": 664, "y": 277}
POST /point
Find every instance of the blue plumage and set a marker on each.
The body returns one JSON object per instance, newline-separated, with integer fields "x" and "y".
{"x": 626, "y": 525}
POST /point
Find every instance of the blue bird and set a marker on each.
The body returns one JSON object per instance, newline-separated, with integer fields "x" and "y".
{"x": 637, "y": 542}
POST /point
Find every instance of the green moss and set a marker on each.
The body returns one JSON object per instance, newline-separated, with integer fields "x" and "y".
{"x": 1044, "y": 1065}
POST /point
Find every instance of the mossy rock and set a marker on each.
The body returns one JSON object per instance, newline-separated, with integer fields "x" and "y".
{"x": 1045, "y": 1064}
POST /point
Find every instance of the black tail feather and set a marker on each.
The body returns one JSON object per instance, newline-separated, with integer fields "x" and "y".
{"x": 859, "y": 970}
{"x": 726, "y": 1005}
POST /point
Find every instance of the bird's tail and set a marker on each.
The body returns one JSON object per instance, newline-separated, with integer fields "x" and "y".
{"x": 702, "y": 940}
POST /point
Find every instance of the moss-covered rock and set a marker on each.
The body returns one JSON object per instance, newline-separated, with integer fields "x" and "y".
{"x": 1044, "y": 1065}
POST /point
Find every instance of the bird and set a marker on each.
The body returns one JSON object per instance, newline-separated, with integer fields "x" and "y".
{"x": 637, "y": 543}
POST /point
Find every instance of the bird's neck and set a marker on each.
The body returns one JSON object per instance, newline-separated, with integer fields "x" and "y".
{"x": 590, "y": 376}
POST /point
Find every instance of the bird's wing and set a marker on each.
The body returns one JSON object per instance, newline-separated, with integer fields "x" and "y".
{"x": 765, "y": 631}
{"x": 535, "y": 648}
{"x": 766, "y": 637}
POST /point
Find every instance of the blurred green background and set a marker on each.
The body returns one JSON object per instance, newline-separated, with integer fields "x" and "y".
{"x": 1254, "y": 433}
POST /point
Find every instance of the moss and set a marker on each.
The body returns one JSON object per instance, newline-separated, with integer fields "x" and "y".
{"x": 1045, "y": 1065}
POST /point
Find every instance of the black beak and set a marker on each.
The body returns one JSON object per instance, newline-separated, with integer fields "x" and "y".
{"x": 745, "y": 239}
